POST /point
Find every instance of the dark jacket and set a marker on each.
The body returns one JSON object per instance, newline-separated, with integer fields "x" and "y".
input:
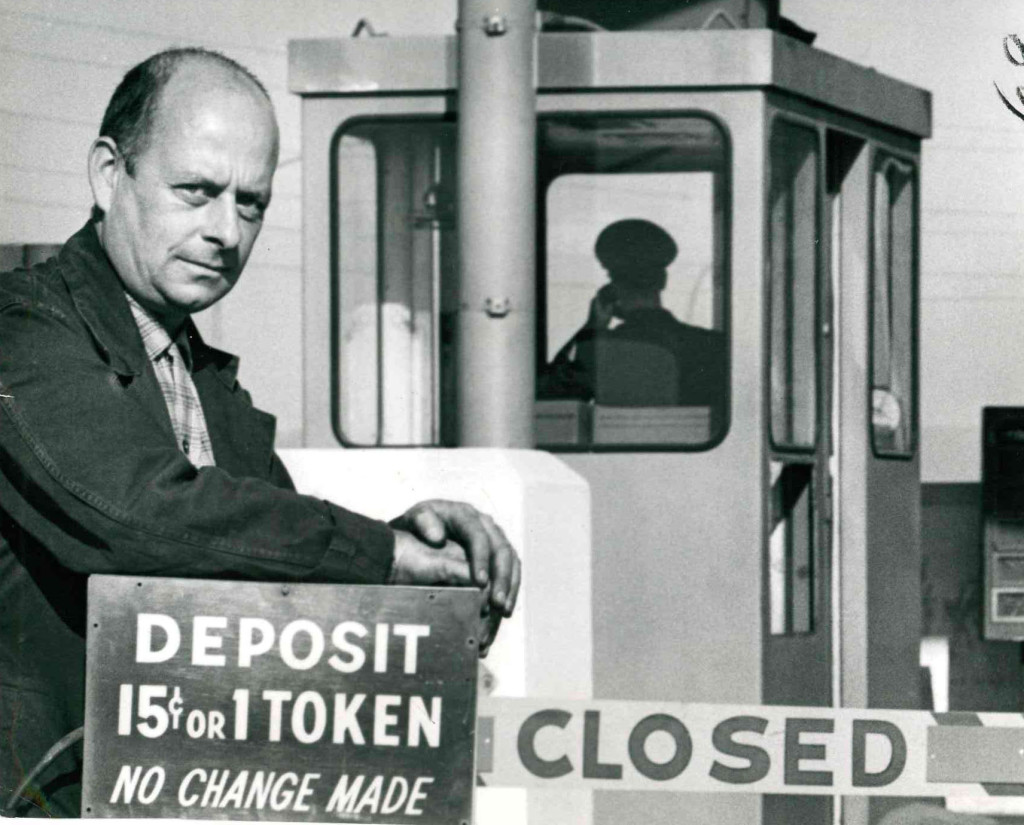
{"x": 92, "y": 481}
{"x": 697, "y": 357}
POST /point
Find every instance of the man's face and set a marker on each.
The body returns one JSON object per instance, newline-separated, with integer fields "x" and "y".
{"x": 180, "y": 229}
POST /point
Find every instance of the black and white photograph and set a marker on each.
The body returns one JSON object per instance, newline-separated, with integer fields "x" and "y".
{"x": 512, "y": 412}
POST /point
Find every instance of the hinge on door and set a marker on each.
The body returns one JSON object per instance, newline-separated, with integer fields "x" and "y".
{"x": 827, "y": 502}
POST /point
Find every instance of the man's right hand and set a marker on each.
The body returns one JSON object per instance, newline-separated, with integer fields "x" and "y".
{"x": 602, "y": 307}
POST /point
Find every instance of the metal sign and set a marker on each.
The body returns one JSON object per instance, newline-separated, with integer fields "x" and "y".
{"x": 672, "y": 746}
{"x": 237, "y": 700}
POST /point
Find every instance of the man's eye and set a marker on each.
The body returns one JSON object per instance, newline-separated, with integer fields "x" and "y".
{"x": 194, "y": 194}
{"x": 251, "y": 210}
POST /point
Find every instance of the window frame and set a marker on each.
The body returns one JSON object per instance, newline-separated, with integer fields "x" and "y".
{"x": 723, "y": 197}
{"x": 879, "y": 155}
{"x": 805, "y": 452}
{"x": 334, "y": 276}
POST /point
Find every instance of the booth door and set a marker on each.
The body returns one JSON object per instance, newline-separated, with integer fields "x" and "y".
{"x": 798, "y": 542}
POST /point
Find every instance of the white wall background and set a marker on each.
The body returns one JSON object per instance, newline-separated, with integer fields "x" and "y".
{"x": 972, "y": 220}
{"x": 60, "y": 60}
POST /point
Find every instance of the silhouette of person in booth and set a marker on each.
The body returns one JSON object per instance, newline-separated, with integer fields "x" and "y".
{"x": 632, "y": 351}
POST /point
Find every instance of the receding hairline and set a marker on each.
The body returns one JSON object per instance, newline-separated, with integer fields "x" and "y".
{"x": 186, "y": 60}
{"x": 145, "y": 85}
{"x": 228, "y": 79}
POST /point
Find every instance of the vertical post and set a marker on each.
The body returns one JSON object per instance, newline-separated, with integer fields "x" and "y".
{"x": 496, "y": 222}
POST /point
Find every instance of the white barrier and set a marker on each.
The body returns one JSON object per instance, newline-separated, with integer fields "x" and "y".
{"x": 669, "y": 746}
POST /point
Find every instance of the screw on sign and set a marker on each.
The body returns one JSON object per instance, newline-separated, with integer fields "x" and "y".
{"x": 1013, "y": 49}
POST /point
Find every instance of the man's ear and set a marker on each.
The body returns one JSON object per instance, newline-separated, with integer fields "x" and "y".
{"x": 104, "y": 169}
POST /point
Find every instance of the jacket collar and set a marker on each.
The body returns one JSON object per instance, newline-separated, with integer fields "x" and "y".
{"x": 98, "y": 294}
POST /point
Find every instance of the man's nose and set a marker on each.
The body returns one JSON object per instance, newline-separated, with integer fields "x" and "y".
{"x": 222, "y": 222}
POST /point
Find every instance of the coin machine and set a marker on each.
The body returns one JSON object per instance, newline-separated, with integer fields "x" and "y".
{"x": 1003, "y": 522}
{"x": 758, "y": 548}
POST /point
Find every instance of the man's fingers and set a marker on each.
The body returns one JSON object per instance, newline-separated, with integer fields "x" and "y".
{"x": 429, "y": 526}
{"x": 490, "y": 625}
{"x": 447, "y": 565}
{"x": 504, "y": 562}
{"x": 466, "y": 526}
{"x": 454, "y": 573}
{"x": 517, "y": 576}
{"x": 423, "y": 522}
{"x": 419, "y": 563}
{"x": 492, "y": 562}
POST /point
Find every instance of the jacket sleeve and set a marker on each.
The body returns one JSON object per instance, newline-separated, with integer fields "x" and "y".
{"x": 89, "y": 471}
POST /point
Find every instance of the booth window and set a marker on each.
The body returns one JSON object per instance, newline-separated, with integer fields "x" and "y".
{"x": 793, "y": 262}
{"x": 393, "y": 272}
{"x": 633, "y": 236}
{"x": 650, "y": 365}
{"x": 893, "y": 277}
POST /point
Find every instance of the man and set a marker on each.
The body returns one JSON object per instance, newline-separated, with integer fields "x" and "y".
{"x": 126, "y": 444}
{"x": 636, "y": 254}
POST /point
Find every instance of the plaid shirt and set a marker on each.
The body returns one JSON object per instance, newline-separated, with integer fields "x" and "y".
{"x": 172, "y": 362}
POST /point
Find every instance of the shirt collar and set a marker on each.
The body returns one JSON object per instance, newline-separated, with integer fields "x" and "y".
{"x": 155, "y": 337}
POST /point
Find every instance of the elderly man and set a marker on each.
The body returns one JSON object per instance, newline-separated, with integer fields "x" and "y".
{"x": 126, "y": 444}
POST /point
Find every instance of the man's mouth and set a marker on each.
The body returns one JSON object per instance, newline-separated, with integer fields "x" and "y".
{"x": 217, "y": 268}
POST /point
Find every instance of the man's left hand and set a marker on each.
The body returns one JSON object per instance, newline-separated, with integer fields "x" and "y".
{"x": 493, "y": 563}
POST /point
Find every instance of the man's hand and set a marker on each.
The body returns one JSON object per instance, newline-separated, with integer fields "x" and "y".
{"x": 448, "y": 542}
{"x": 602, "y": 307}
{"x": 451, "y": 543}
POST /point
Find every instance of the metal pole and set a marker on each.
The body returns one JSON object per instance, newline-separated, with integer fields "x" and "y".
{"x": 496, "y": 221}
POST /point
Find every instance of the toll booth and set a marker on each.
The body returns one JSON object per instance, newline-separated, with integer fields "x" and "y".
{"x": 758, "y": 543}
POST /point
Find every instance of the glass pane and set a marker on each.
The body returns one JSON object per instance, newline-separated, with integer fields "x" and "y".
{"x": 1009, "y": 605}
{"x": 793, "y": 238}
{"x": 635, "y": 350}
{"x": 1009, "y": 568}
{"x": 395, "y": 226}
{"x": 893, "y": 275}
{"x": 357, "y": 279}
{"x": 1005, "y": 445}
{"x": 791, "y": 550}
{"x": 581, "y": 206}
